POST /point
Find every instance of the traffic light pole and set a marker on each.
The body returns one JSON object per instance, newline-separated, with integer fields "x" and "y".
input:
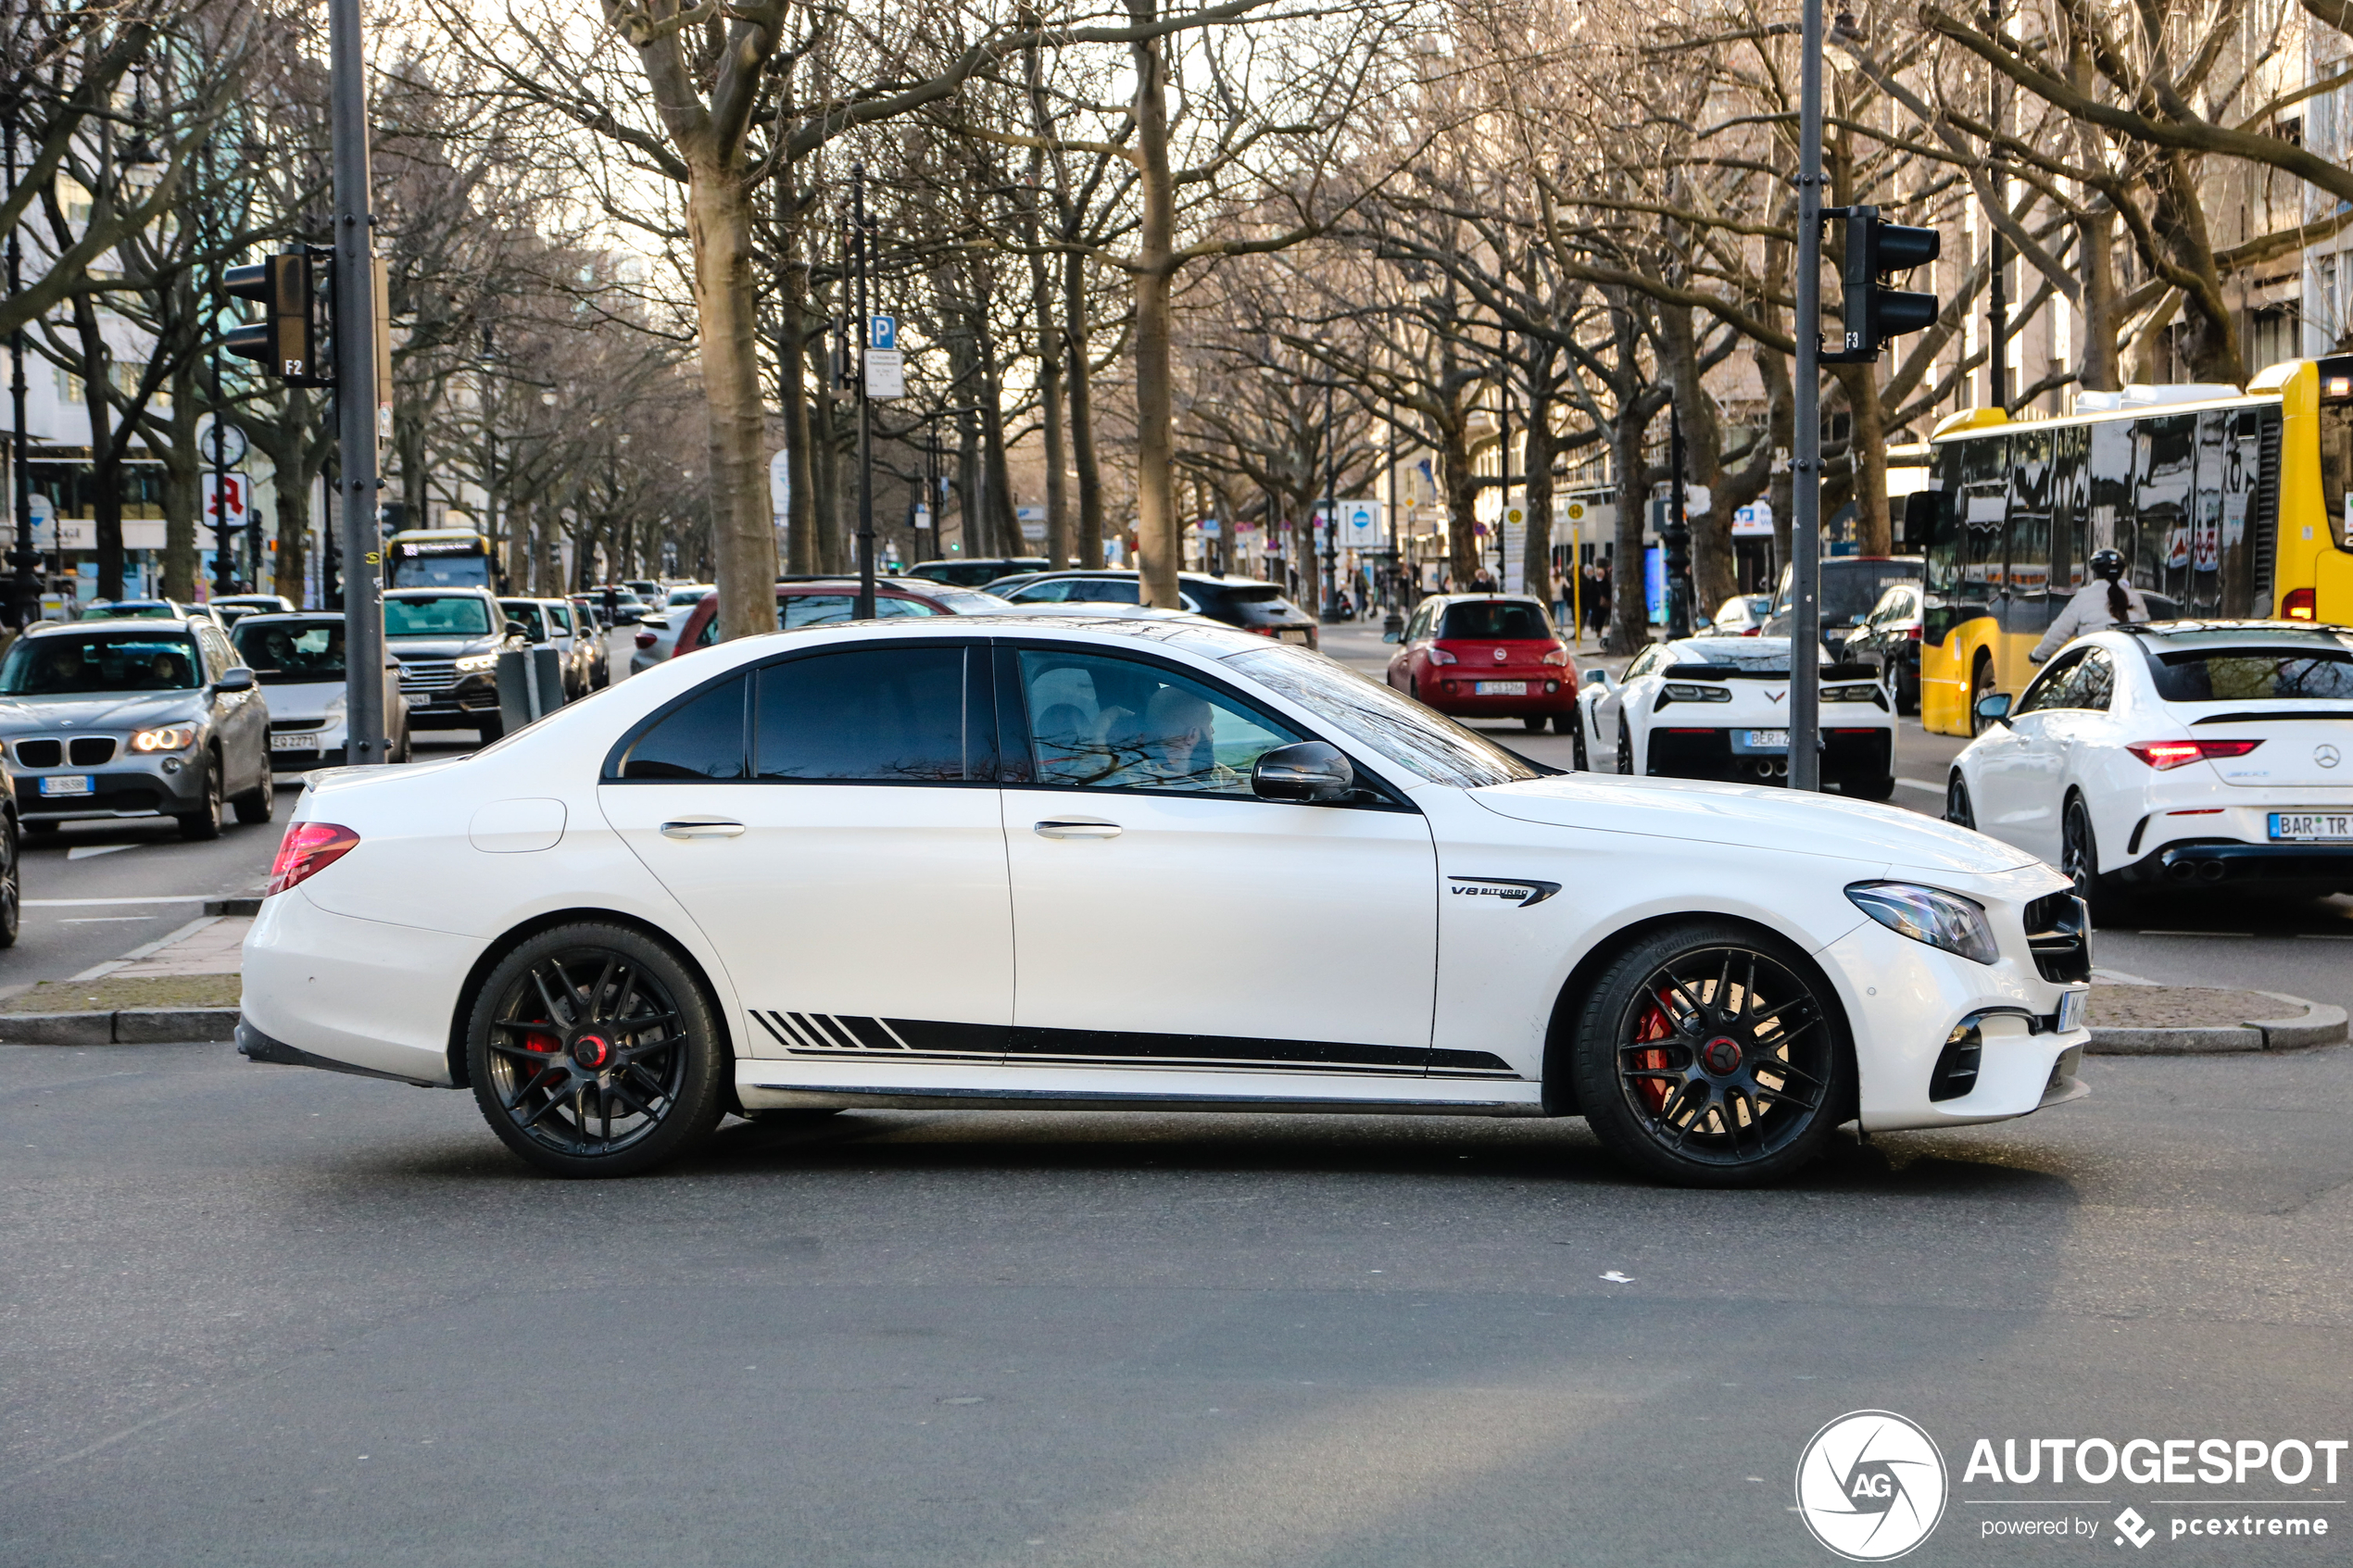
{"x": 356, "y": 393}
{"x": 865, "y": 403}
{"x": 1806, "y": 477}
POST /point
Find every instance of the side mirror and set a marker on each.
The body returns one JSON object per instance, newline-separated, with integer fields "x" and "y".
{"x": 1306, "y": 771}
{"x": 1995, "y": 709}
{"x": 1392, "y": 637}
{"x": 236, "y": 678}
{"x": 1599, "y": 677}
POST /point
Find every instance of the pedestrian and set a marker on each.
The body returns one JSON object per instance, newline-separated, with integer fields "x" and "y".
{"x": 2105, "y": 600}
{"x": 1560, "y": 598}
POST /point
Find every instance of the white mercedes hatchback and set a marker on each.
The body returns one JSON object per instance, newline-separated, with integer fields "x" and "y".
{"x": 1103, "y": 865}
{"x": 2181, "y": 756}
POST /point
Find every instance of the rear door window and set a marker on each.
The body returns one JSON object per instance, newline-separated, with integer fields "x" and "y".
{"x": 703, "y": 738}
{"x": 889, "y": 715}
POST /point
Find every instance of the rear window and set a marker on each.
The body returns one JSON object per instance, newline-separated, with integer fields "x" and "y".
{"x": 290, "y": 653}
{"x": 2315, "y": 674}
{"x": 1501, "y": 620}
{"x": 1261, "y": 605}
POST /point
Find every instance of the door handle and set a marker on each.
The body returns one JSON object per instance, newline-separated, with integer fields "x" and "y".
{"x": 710, "y": 827}
{"x": 1076, "y": 830}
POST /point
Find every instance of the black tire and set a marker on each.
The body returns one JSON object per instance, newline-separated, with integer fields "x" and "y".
{"x": 1710, "y": 1054}
{"x": 1906, "y": 682}
{"x": 1533, "y": 726}
{"x": 1568, "y": 724}
{"x": 11, "y": 883}
{"x": 260, "y": 803}
{"x": 205, "y": 822}
{"x": 1625, "y": 748}
{"x": 2080, "y": 859}
{"x": 1578, "y": 751}
{"x": 1981, "y": 684}
{"x": 1959, "y": 810}
{"x": 491, "y": 729}
{"x": 549, "y": 1081}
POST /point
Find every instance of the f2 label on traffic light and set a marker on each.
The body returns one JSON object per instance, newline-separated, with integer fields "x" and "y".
{"x": 284, "y": 339}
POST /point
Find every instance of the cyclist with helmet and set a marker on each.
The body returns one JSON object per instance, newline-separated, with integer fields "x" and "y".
{"x": 2105, "y": 600}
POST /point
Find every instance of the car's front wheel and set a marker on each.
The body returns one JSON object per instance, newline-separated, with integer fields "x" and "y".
{"x": 594, "y": 1052}
{"x": 1712, "y": 1055}
{"x": 205, "y": 820}
{"x": 11, "y": 885}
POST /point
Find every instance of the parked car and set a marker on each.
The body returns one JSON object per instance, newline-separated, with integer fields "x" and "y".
{"x": 1851, "y": 585}
{"x": 657, "y": 631}
{"x": 1889, "y": 638}
{"x": 1718, "y": 707}
{"x": 549, "y": 623}
{"x": 234, "y": 607}
{"x": 2175, "y": 757}
{"x": 141, "y": 718}
{"x": 1742, "y": 614}
{"x": 820, "y": 601}
{"x": 645, "y": 589}
{"x": 447, "y": 641}
{"x": 1244, "y": 602}
{"x": 588, "y": 614}
{"x": 745, "y": 847}
{"x": 298, "y": 660}
{"x": 976, "y": 573}
{"x": 1487, "y": 656}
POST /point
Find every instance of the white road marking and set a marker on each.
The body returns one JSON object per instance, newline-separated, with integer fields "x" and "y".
{"x": 83, "y": 851}
{"x": 110, "y": 919}
{"x": 1921, "y": 784}
{"x": 92, "y": 903}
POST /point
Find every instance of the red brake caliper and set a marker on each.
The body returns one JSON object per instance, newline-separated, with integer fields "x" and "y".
{"x": 1654, "y": 1026}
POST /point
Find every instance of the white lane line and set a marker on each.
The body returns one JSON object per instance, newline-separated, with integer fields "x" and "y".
{"x": 92, "y": 903}
{"x": 1921, "y": 784}
{"x": 85, "y": 851}
{"x": 110, "y": 919}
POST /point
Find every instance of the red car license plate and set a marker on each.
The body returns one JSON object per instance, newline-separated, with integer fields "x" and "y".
{"x": 1500, "y": 688}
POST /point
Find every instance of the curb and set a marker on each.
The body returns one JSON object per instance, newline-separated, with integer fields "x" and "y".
{"x": 2320, "y": 1023}
{"x": 126, "y": 1026}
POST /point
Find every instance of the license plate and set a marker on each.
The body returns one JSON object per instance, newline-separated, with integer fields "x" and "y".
{"x": 2312, "y": 825}
{"x": 72, "y": 783}
{"x": 1292, "y": 634}
{"x": 294, "y": 743}
{"x": 1769, "y": 738}
{"x": 1500, "y": 688}
{"x": 2071, "y": 1008}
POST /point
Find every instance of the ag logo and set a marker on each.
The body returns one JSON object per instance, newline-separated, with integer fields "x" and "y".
{"x": 1870, "y": 1485}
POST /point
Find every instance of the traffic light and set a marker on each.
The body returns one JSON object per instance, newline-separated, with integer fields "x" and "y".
{"x": 1874, "y": 313}
{"x": 284, "y": 342}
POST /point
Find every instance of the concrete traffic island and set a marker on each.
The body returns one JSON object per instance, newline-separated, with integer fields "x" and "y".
{"x": 182, "y": 988}
{"x": 2138, "y": 1019}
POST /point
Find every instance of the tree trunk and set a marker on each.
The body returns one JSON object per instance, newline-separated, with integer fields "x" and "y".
{"x": 183, "y": 471}
{"x": 792, "y": 394}
{"x": 1628, "y": 598}
{"x": 1867, "y": 456}
{"x": 1002, "y": 525}
{"x": 1712, "y": 580}
{"x": 744, "y": 542}
{"x": 1049, "y": 398}
{"x": 1159, "y": 540}
{"x": 1535, "y": 558}
{"x": 1462, "y": 502}
{"x": 1087, "y": 542}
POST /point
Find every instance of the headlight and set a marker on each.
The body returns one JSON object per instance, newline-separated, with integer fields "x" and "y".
{"x": 1679, "y": 690}
{"x": 166, "y": 738}
{"x": 473, "y": 663}
{"x": 1926, "y": 914}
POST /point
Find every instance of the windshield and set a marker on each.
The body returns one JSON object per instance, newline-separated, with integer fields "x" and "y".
{"x": 967, "y": 601}
{"x": 98, "y": 662}
{"x": 131, "y": 612}
{"x": 1750, "y": 656}
{"x": 1502, "y": 619}
{"x": 526, "y": 612}
{"x": 456, "y": 616}
{"x": 289, "y": 653}
{"x": 2311, "y": 674}
{"x": 1851, "y": 587}
{"x": 1392, "y": 727}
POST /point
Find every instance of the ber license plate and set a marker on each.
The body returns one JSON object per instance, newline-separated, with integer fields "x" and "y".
{"x": 1291, "y": 635}
{"x": 2312, "y": 825}
{"x": 72, "y": 783}
{"x": 1500, "y": 688}
{"x": 1769, "y": 738}
{"x": 294, "y": 743}
{"x": 2071, "y": 1009}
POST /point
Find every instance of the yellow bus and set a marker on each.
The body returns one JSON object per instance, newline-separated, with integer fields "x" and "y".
{"x": 440, "y": 558}
{"x": 2223, "y": 505}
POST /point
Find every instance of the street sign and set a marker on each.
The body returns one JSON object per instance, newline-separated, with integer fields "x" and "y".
{"x": 923, "y": 515}
{"x": 886, "y": 371}
{"x": 1032, "y": 521}
{"x": 881, "y": 332}
{"x": 1211, "y": 528}
{"x": 229, "y": 507}
{"x": 1363, "y": 524}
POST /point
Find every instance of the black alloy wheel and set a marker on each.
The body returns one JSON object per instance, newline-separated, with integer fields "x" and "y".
{"x": 1710, "y": 1055}
{"x": 205, "y": 822}
{"x": 594, "y": 1052}
{"x": 1580, "y": 761}
{"x": 11, "y": 883}
{"x": 2080, "y": 859}
{"x": 1957, "y": 809}
{"x": 1625, "y": 748}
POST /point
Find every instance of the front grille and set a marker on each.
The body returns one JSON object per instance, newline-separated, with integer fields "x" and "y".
{"x": 295, "y": 726}
{"x": 1956, "y": 1072}
{"x": 2058, "y": 933}
{"x": 41, "y": 753}
{"x": 428, "y": 675}
{"x": 90, "y": 751}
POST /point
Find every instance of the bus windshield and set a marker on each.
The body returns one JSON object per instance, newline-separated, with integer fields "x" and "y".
{"x": 462, "y": 562}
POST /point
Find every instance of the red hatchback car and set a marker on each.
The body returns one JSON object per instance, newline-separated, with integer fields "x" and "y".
{"x": 818, "y": 601}
{"x": 1487, "y": 656}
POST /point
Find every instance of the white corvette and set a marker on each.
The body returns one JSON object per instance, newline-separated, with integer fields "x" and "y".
{"x": 2185, "y": 754}
{"x": 1107, "y": 865}
{"x": 1718, "y": 707}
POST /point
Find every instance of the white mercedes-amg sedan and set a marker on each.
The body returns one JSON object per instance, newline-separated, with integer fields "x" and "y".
{"x": 1107, "y": 865}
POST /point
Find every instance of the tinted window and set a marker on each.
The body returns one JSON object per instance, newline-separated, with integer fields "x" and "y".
{"x": 702, "y": 738}
{"x": 101, "y": 663}
{"x": 455, "y": 616}
{"x": 877, "y": 715}
{"x": 2094, "y": 683}
{"x": 2051, "y": 688}
{"x": 1103, "y": 591}
{"x": 1502, "y": 619}
{"x": 2256, "y": 676}
{"x": 285, "y": 653}
{"x": 1120, "y": 724}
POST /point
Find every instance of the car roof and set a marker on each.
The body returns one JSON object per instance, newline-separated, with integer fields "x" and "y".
{"x": 2236, "y": 633}
{"x": 1211, "y": 639}
{"x": 119, "y": 622}
{"x": 451, "y": 592}
{"x": 282, "y": 614}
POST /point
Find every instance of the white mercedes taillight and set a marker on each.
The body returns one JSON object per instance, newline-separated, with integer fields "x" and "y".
{"x": 308, "y": 850}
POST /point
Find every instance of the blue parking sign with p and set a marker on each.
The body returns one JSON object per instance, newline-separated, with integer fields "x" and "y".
{"x": 881, "y": 332}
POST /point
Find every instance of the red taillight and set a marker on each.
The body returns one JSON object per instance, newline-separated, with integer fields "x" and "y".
{"x": 2164, "y": 754}
{"x": 1913, "y": 633}
{"x": 645, "y": 639}
{"x": 308, "y": 850}
{"x": 2299, "y": 606}
{"x": 1558, "y": 655}
{"x": 1439, "y": 656}
{"x": 1754, "y": 632}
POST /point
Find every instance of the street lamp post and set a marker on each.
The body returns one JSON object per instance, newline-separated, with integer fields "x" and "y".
{"x": 1805, "y": 477}
{"x": 1331, "y": 513}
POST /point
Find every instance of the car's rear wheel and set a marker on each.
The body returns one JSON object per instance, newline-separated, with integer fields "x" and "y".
{"x": 1980, "y": 685}
{"x": 1957, "y": 809}
{"x": 1578, "y": 745}
{"x": 11, "y": 885}
{"x": 1906, "y": 679}
{"x": 2080, "y": 859}
{"x": 594, "y": 1052}
{"x": 1868, "y": 786}
{"x": 1712, "y": 1055}
{"x": 205, "y": 822}
{"x": 1533, "y": 726}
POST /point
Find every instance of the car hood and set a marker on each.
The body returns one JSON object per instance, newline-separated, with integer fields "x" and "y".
{"x": 1751, "y": 816}
{"x": 98, "y": 710}
{"x": 439, "y": 647}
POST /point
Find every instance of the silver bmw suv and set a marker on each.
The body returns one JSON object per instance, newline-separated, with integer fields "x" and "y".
{"x": 150, "y": 718}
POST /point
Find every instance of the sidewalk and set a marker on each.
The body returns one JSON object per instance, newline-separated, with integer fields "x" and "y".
{"x": 183, "y": 985}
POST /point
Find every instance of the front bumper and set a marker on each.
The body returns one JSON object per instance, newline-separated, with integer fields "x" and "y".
{"x": 2195, "y": 863}
{"x": 150, "y": 786}
{"x": 460, "y": 707}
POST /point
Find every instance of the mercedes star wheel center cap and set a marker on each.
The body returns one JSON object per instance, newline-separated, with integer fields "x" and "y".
{"x": 591, "y": 1052}
{"x": 1721, "y": 1055}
